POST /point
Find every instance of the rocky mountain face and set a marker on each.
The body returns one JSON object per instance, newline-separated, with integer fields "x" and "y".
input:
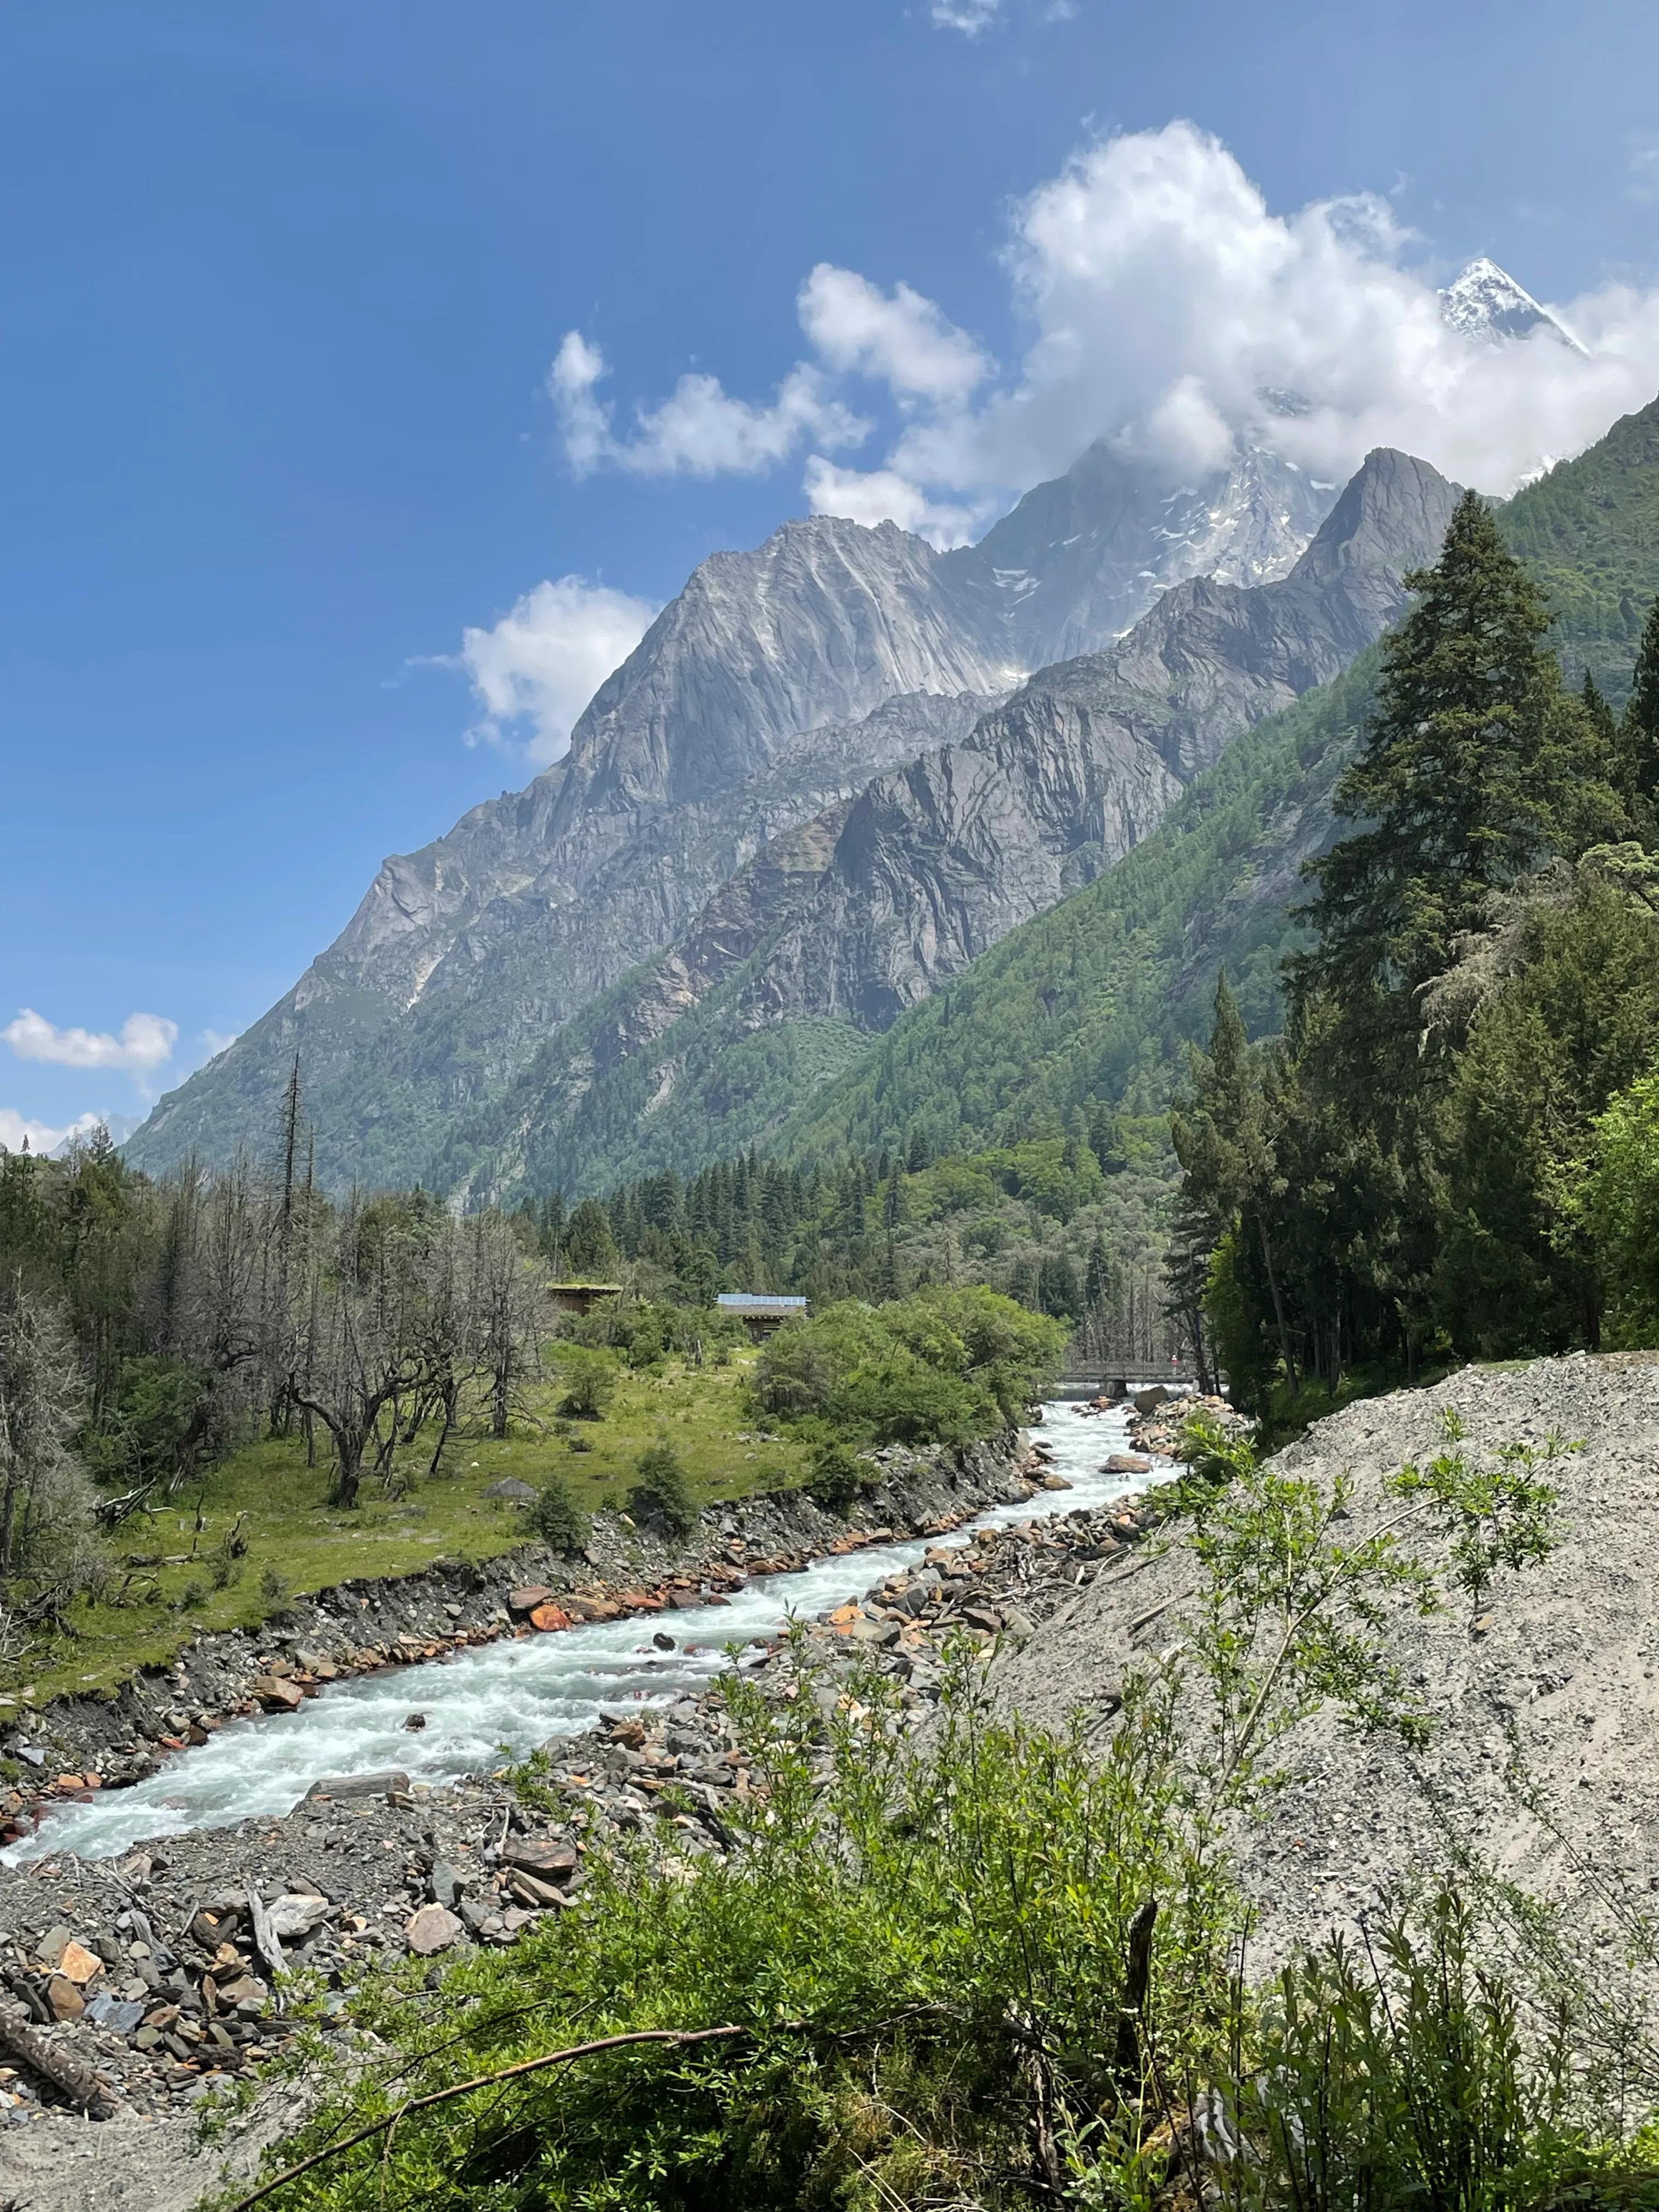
{"x": 777, "y": 684}
{"x": 1081, "y": 559}
{"x": 834, "y": 931}
{"x": 1484, "y": 303}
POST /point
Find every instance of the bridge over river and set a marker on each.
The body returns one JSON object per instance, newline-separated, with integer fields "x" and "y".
{"x": 1117, "y": 1378}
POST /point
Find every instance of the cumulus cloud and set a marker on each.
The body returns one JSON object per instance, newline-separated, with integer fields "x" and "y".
{"x": 700, "y": 430}
{"x": 42, "y": 1136}
{"x": 535, "y": 670}
{"x": 877, "y": 496}
{"x": 145, "y": 1042}
{"x": 899, "y": 336}
{"x": 214, "y": 1042}
{"x": 1164, "y": 305}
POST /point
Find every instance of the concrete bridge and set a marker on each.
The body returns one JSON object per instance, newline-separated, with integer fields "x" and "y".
{"x": 1117, "y": 1378}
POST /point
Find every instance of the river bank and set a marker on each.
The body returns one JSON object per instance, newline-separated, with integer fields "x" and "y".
{"x": 76, "y": 1747}
{"x": 173, "y": 1942}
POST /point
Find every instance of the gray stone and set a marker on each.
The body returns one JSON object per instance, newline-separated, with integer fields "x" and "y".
{"x": 359, "y": 1786}
{"x": 431, "y": 1928}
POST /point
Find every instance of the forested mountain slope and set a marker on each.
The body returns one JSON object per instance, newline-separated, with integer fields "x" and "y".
{"x": 757, "y": 698}
{"x": 831, "y": 934}
{"x": 1120, "y": 976}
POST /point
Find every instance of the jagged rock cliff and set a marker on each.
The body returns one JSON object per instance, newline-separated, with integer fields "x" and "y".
{"x": 833, "y": 933}
{"x": 778, "y": 684}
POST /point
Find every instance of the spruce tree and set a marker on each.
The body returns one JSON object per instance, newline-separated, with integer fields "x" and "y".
{"x": 1637, "y": 749}
{"x": 1461, "y": 776}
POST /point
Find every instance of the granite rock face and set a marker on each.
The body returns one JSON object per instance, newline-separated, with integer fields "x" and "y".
{"x": 830, "y": 933}
{"x": 864, "y": 696}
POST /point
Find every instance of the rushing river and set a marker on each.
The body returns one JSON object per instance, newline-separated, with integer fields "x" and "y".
{"x": 514, "y": 1695}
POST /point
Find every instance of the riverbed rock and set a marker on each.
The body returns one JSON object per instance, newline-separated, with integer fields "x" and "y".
{"x": 548, "y": 1618}
{"x": 1127, "y": 1464}
{"x": 381, "y": 1785}
{"x": 79, "y": 1965}
{"x": 276, "y": 1695}
{"x": 433, "y": 1929}
{"x": 553, "y": 1860}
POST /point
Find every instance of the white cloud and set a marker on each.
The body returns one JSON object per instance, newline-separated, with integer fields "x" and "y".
{"x": 700, "y": 430}
{"x": 1642, "y": 171}
{"x": 42, "y": 1138}
{"x": 969, "y": 17}
{"x": 1160, "y": 299}
{"x": 145, "y": 1042}
{"x": 538, "y": 666}
{"x": 214, "y": 1042}
{"x": 901, "y": 338}
{"x": 1163, "y": 296}
{"x": 882, "y": 496}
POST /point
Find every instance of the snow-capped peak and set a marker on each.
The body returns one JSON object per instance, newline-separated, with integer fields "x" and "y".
{"x": 1485, "y": 304}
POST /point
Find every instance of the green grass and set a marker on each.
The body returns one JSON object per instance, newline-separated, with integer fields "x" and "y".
{"x": 292, "y": 1529}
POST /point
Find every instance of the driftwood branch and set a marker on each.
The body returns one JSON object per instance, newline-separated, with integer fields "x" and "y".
{"x": 677, "y": 2035}
{"x": 1137, "y": 1985}
{"x": 53, "y": 2063}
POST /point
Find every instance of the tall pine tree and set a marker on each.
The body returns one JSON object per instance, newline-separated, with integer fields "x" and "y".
{"x": 1637, "y": 749}
{"x": 1460, "y": 786}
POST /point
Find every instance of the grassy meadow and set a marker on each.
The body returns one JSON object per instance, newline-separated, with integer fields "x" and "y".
{"x": 298, "y": 1543}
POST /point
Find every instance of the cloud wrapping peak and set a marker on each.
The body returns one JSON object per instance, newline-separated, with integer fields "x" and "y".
{"x": 538, "y": 667}
{"x": 1162, "y": 301}
{"x": 145, "y": 1042}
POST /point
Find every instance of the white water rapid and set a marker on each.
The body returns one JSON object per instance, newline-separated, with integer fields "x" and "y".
{"x": 511, "y": 1696}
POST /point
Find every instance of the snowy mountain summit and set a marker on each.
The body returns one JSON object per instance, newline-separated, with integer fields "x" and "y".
{"x": 1484, "y": 303}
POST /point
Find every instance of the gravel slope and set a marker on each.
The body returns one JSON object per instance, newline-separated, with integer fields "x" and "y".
{"x": 1565, "y": 1653}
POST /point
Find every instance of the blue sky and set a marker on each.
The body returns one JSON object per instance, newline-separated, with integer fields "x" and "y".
{"x": 284, "y": 284}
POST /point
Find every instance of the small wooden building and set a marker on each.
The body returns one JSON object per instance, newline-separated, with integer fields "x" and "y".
{"x": 581, "y": 1298}
{"x": 760, "y": 1314}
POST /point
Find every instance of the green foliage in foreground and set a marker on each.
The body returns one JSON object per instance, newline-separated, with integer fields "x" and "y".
{"x": 941, "y": 1367}
{"x": 1617, "y": 1205}
{"x": 978, "y": 1967}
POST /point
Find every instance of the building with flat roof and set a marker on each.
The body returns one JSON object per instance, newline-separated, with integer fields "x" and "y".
{"x": 581, "y": 1298}
{"x": 760, "y": 1313}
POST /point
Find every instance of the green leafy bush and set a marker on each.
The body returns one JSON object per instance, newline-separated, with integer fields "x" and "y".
{"x": 557, "y": 1518}
{"x": 662, "y": 1496}
{"x": 837, "y": 1478}
{"x": 1618, "y": 1204}
{"x": 589, "y": 1380}
{"x": 941, "y": 1367}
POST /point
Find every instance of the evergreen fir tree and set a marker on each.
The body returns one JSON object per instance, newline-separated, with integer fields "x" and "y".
{"x": 1637, "y": 749}
{"x": 1461, "y": 778}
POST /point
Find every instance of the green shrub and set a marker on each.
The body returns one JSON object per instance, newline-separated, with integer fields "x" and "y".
{"x": 837, "y": 1478}
{"x": 939, "y": 1367}
{"x": 557, "y": 1519}
{"x": 662, "y": 1497}
{"x": 273, "y": 1586}
{"x": 589, "y": 1378}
